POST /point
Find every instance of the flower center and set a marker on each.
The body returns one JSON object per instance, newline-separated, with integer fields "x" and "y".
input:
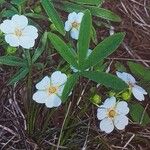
{"x": 52, "y": 89}
{"x": 75, "y": 25}
{"x": 18, "y": 32}
{"x": 131, "y": 84}
{"x": 111, "y": 113}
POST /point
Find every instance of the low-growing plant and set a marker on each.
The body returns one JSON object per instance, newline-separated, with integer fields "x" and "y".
{"x": 26, "y": 41}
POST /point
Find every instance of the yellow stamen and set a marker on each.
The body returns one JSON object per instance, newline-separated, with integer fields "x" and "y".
{"x": 75, "y": 25}
{"x": 52, "y": 89}
{"x": 18, "y": 32}
{"x": 111, "y": 113}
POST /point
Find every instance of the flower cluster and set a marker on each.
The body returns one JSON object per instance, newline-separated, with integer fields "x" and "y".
{"x": 112, "y": 113}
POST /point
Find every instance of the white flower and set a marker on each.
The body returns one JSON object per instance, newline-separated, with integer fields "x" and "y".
{"x": 113, "y": 114}
{"x": 18, "y": 32}
{"x": 137, "y": 91}
{"x": 73, "y": 24}
{"x": 74, "y": 69}
{"x": 49, "y": 90}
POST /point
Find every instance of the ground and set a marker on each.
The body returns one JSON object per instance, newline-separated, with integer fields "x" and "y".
{"x": 81, "y": 131}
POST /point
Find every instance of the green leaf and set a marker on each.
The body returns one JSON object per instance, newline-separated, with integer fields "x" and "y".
{"x": 138, "y": 114}
{"x": 69, "y": 86}
{"x": 140, "y": 70}
{"x": 84, "y": 37}
{"x": 91, "y": 2}
{"x": 18, "y": 2}
{"x": 70, "y": 7}
{"x": 12, "y": 61}
{"x": 53, "y": 15}
{"x": 65, "y": 51}
{"x": 95, "y": 11}
{"x": 105, "y": 79}
{"x": 40, "y": 48}
{"x": 19, "y": 75}
{"x": 9, "y": 13}
{"x": 2, "y": 1}
{"x": 104, "y": 49}
{"x": 35, "y": 16}
{"x": 94, "y": 36}
{"x": 104, "y": 13}
{"x": 120, "y": 67}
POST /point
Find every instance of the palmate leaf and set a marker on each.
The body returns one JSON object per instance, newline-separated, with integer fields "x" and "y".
{"x": 53, "y": 15}
{"x": 104, "y": 49}
{"x": 91, "y": 2}
{"x": 72, "y": 80}
{"x": 105, "y": 79}
{"x": 84, "y": 37}
{"x": 19, "y": 75}
{"x": 140, "y": 71}
{"x": 40, "y": 48}
{"x": 65, "y": 51}
{"x": 12, "y": 61}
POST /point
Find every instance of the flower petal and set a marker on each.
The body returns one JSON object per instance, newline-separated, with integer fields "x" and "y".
{"x": 109, "y": 102}
{"x": 74, "y": 33}
{"x": 68, "y": 26}
{"x": 140, "y": 89}
{"x": 101, "y": 113}
{"x": 121, "y": 121}
{"x": 72, "y": 17}
{"x": 60, "y": 90}
{"x": 40, "y": 97}
{"x": 30, "y": 31}
{"x": 12, "y": 40}
{"x": 128, "y": 78}
{"x": 79, "y": 17}
{"x": 7, "y": 26}
{"x": 20, "y": 20}
{"x": 138, "y": 94}
{"x": 122, "y": 108}
{"x": 58, "y": 78}
{"x": 43, "y": 84}
{"x": 53, "y": 101}
{"x": 107, "y": 125}
{"x": 26, "y": 42}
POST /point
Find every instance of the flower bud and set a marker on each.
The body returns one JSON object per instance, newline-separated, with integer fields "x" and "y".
{"x": 11, "y": 50}
{"x": 53, "y": 28}
{"x": 96, "y": 99}
{"x": 38, "y": 9}
{"x": 126, "y": 95}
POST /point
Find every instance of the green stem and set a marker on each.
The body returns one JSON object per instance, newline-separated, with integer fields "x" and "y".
{"x": 63, "y": 125}
{"x": 20, "y": 10}
{"x": 118, "y": 94}
{"x": 29, "y": 91}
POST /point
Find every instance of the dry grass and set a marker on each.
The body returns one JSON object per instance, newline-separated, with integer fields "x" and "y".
{"x": 77, "y": 127}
